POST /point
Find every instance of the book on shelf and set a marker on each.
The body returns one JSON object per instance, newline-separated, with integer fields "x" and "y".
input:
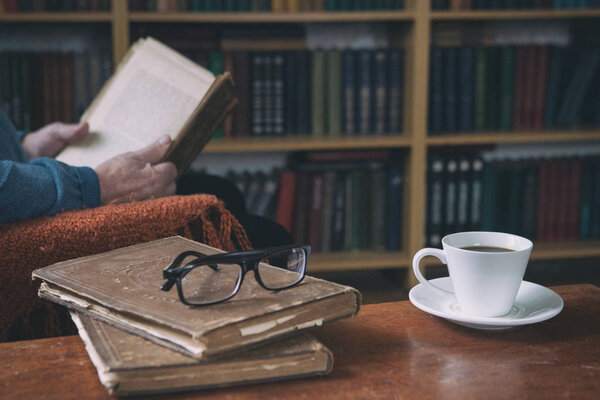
{"x": 122, "y": 288}
{"x": 130, "y": 365}
{"x": 155, "y": 91}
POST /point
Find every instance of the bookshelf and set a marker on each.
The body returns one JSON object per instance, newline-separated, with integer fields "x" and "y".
{"x": 416, "y": 29}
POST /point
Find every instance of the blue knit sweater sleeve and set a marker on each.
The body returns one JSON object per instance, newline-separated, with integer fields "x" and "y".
{"x": 40, "y": 187}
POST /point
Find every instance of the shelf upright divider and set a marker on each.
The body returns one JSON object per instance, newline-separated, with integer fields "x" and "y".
{"x": 120, "y": 29}
{"x": 415, "y": 174}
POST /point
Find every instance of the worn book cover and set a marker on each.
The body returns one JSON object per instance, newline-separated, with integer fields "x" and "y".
{"x": 122, "y": 288}
{"x": 130, "y": 365}
{"x": 155, "y": 91}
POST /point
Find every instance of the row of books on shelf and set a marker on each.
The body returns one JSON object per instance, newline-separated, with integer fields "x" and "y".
{"x": 332, "y": 92}
{"x": 334, "y": 201}
{"x": 513, "y": 88}
{"x": 546, "y": 199}
{"x": 275, "y": 6}
{"x": 455, "y": 5}
{"x": 39, "y": 88}
{"x": 54, "y": 5}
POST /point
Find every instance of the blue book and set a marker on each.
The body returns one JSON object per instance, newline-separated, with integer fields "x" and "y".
{"x": 395, "y": 93}
{"x": 436, "y": 100}
{"x": 449, "y": 123}
{"x": 379, "y": 89}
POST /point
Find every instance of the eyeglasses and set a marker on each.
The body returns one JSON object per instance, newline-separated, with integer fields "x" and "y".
{"x": 211, "y": 279}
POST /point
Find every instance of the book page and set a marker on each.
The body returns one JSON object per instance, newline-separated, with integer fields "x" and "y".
{"x": 152, "y": 94}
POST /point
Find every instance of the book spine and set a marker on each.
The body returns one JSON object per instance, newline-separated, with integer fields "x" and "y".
{"x": 339, "y": 212}
{"x": 258, "y": 90}
{"x": 435, "y": 209}
{"x": 450, "y": 195}
{"x": 291, "y": 93}
{"x": 520, "y": 82}
{"x": 530, "y": 201}
{"x": 394, "y": 205}
{"x": 395, "y": 98}
{"x": 531, "y": 56}
{"x": 316, "y": 211}
{"x": 492, "y": 88}
{"x": 377, "y": 181}
{"x": 327, "y": 207}
{"x": 476, "y": 193}
{"x": 488, "y": 210}
{"x": 507, "y": 86}
{"x": 480, "y": 89}
{"x": 304, "y": 93}
{"x": 587, "y": 196}
{"x": 450, "y": 89}
{"x": 318, "y": 110}
{"x": 278, "y": 94}
{"x": 463, "y": 191}
{"x": 334, "y": 93}
{"x": 543, "y": 200}
{"x": 555, "y": 76}
{"x": 436, "y": 100}
{"x": 365, "y": 91}
{"x": 268, "y": 94}
{"x": 286, "y": 199}
{"x": 380, "y": 84}
{"x": 349, "y": 92}
{"x": 540, "y": 88}
{"x": 465, "y": 100}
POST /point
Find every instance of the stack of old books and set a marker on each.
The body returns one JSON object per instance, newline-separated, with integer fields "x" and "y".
{"x": 144, "y": 340}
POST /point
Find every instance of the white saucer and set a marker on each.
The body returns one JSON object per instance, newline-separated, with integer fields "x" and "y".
{"x": 534, "y": 303}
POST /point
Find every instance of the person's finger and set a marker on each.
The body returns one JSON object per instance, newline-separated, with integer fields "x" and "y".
{"x": 154, "y": 152}
{"x": 167, "y": 171}
{"x": 71, "y": 133}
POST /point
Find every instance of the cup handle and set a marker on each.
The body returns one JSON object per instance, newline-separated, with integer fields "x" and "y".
{"x": 437, "y": 253}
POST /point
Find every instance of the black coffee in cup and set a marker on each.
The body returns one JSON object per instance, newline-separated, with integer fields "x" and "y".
{"x": 486, "y": 249}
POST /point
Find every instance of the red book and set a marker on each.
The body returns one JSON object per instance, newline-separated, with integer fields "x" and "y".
{"x": 541, "y": 78}
{"x": 574, "y": 205}
{"x": 519, "y": 88}
{"x": 542, "y": 210}
{"x": 562, "y": 198}
{"x": 11, "y": 5}
{"x": 286, "y": 199}
{"x": 316, "y": 211}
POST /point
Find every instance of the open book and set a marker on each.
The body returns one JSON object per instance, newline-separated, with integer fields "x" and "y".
{"x": 155, "y": 91}
{"x": 128, "y": 364}
{"x": 122, "y": 288}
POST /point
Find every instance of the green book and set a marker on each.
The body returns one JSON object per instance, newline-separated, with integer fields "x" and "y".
{"x": 507, "y": 87}
{"x": 334, "y": 93}
{"x": 480, "y": 89}
{"x": 318, "y": 93}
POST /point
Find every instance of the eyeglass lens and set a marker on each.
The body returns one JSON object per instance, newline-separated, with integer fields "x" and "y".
{"x": 284, "y": 268}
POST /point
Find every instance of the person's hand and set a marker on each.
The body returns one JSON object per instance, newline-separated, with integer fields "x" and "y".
{"x": 137, "y": 175}
{"x": 51, "y": 139}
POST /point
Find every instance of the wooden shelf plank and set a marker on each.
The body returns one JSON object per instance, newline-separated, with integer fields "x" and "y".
{"x": 512, "y": 137}
{"x": 74, "y": 17}
{"x": 257, "y": 17}
{"x": 514, "y": 14}
{"x": 357, "y": 260}
{"x": 574, "y": 249}
{"x": 295, "y": 143}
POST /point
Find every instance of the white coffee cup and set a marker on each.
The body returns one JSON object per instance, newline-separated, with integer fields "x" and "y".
{"x": 485, "y": 283}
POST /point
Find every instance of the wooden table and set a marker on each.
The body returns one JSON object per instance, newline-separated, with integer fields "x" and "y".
{"x": 390, "y": 350}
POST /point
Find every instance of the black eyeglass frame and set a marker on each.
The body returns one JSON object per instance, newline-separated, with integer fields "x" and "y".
{"x": 247, "y": 260}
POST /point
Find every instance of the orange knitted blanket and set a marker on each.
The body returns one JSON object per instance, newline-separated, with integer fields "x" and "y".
{"x": 38, "y": 242}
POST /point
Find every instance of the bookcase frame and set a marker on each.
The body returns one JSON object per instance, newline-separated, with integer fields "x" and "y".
{"x": 416, "y": 20}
